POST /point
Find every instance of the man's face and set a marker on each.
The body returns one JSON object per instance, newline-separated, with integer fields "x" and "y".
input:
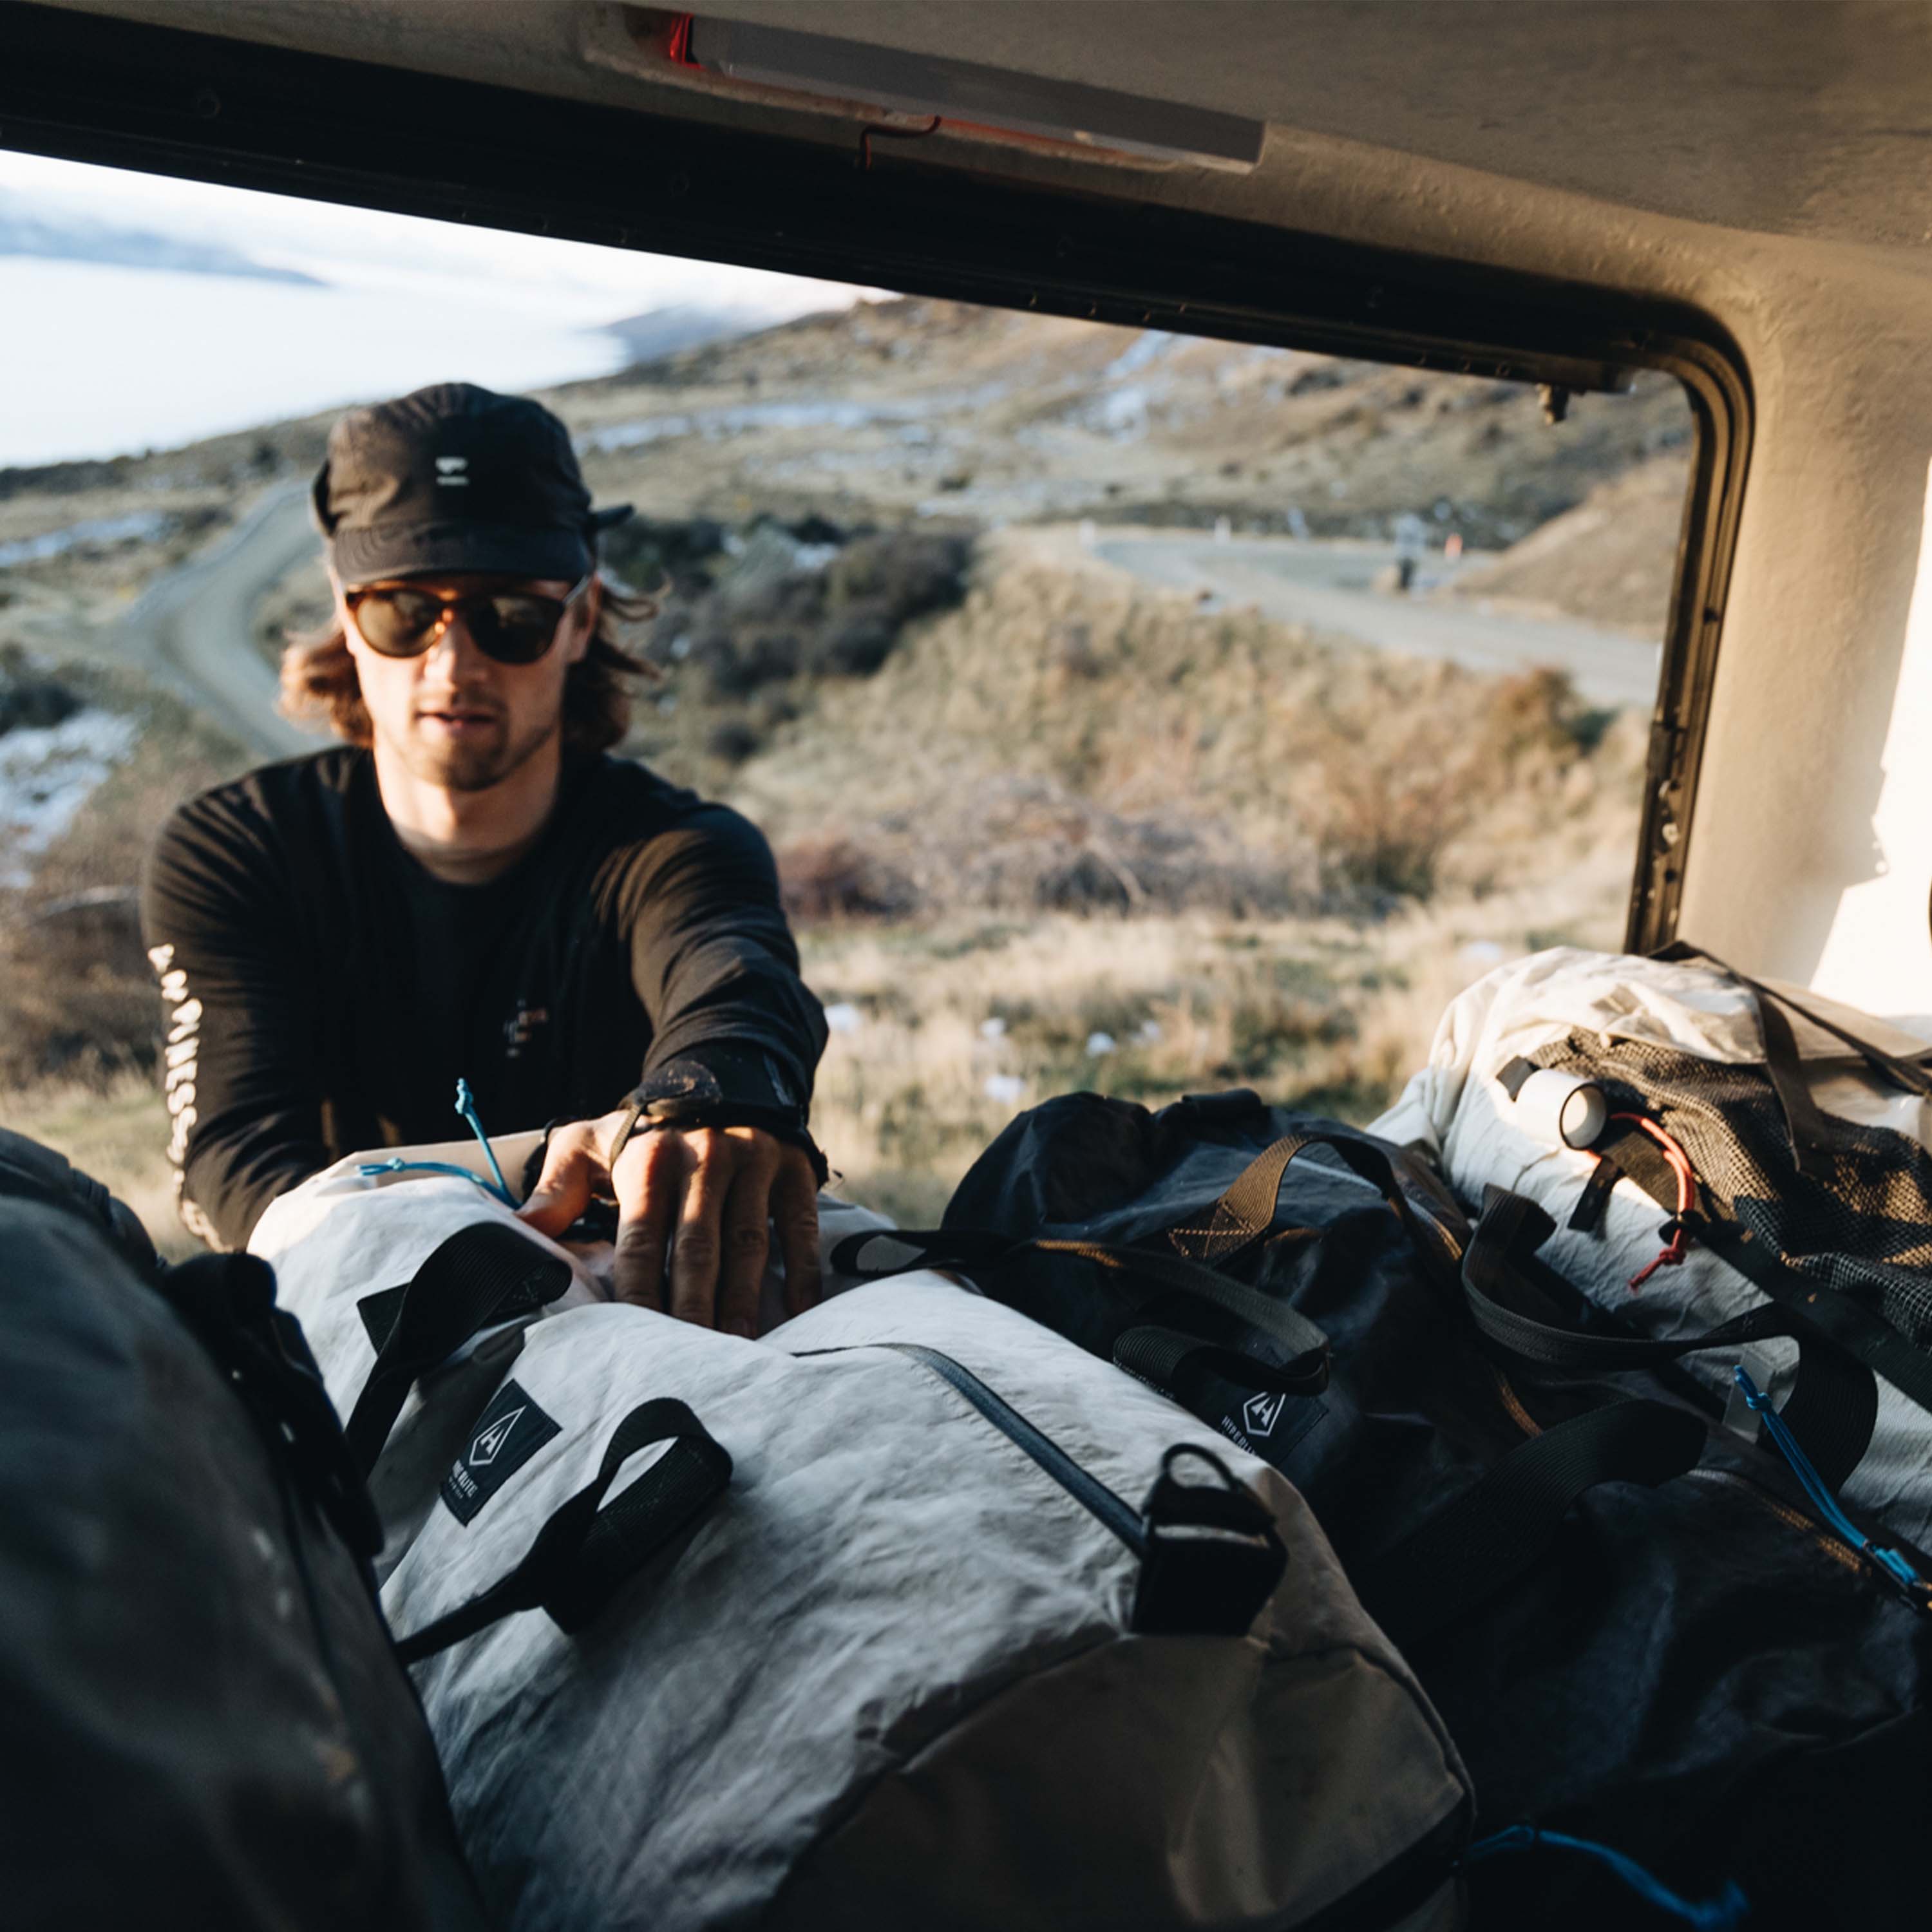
{"x": 457, "y": 718}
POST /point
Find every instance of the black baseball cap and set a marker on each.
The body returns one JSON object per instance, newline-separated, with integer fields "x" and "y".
{"x": 455, "y": 477}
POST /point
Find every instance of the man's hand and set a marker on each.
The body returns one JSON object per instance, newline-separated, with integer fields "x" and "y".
{"x": 716, "y": 1189}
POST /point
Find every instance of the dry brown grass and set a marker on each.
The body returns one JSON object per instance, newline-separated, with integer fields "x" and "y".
{"x": 116, "y": 1129}
{"x": 1070, "y": 738}
{"x": 77, "y": 1000}
{"x": 1326, "y": 1014}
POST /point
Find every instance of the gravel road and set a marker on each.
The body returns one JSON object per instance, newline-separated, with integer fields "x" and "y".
{"x": 191, "y": 631}
{"x": 1327, "y": 585}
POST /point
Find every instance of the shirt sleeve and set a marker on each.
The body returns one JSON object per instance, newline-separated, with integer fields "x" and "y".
{"x": 243, "y": 1098}
{"x": 717, "y": 971}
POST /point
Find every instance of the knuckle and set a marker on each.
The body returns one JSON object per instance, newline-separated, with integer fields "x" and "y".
{"x": 698, "y": 1247}
{"x": 749, "y": 1238}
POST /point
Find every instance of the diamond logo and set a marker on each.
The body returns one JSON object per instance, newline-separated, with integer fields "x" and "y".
{"x": 1260, "y": 1413}
{"x": 489, "y": 1445}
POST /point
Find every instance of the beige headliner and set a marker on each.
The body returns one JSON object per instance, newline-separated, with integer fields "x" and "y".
{"x": 1770, "y": 160}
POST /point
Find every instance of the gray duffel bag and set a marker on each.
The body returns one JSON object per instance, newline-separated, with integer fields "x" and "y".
{"x": 982, "y": 1633}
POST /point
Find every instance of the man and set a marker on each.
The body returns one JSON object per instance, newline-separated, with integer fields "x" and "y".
{"x": 472, "y": 887}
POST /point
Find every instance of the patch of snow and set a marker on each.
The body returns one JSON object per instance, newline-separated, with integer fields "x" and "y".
{"x": 992, "y": 1029}
{"x": 1100, "y": 1044}
{"x": 1150, "y": 345}
{"x": 145, "y": 524}
{"x": 741, "y": 418}
{"x": 47, "y": 775}
{"x": 842, "y": 1016}
{"x": 1123, "y": 413}
{"x": 1009, "y": 1089}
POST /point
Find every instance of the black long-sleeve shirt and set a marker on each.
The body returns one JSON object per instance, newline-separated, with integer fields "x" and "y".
{"x": 323, "y": 991}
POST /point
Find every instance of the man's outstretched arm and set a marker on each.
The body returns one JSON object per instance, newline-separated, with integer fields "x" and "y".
{"x": 244, "y": 1117}
{"x": 724, "y": 1153}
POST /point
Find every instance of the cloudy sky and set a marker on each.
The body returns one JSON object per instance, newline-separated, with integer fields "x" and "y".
{"x": 98, "y": 355}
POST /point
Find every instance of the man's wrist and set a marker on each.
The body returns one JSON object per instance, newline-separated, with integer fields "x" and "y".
{"x": 646, "y": 1113}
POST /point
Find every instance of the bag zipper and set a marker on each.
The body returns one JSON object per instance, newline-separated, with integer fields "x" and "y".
{"x": 1085, "y": 1488}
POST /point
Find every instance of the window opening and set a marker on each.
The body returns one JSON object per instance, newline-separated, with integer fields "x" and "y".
{"x": 1127, "y": 709}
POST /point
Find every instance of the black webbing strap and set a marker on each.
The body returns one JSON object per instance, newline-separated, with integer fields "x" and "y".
{"x": 583, "y": 1553}
{"x": 973, "y": 1251}
{"x": 1811, "y": 1134}
{"x": 1212, "y": 1554}
{"x": 1833, "y": 1401}
{"x": 1473, "y": 1546}
{"x": 1587, "y": 1215}
{"x": 1832, "y": 1409}
{"x": 1246, "y": 1211}
{"x": 1855, "y": 1329}
{"x": 1169, "y": 1359}
{"x": 486, "y": 1272}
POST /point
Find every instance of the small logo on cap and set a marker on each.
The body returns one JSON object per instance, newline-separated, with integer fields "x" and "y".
{"x": 449, "y": 471}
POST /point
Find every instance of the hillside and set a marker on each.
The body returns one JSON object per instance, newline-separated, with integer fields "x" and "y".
{"x": 885, "y": 631}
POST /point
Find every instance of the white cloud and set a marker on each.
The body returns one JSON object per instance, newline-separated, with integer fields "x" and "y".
{"x": 105, "y": 358}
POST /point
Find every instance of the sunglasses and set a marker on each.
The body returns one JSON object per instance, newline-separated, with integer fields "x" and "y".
{"x": 514, "y": 627}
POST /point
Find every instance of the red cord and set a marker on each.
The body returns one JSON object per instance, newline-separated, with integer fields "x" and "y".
{"x": 678, "y": 45}
{"x": 1687, "y": 1195}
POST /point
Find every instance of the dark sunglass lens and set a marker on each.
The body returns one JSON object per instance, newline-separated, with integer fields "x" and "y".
{"x": 514, "y": 629}
{"x": 396, "y": 622}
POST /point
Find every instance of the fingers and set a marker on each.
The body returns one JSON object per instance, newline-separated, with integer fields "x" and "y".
{"x": 650, "y": 1182}
{"x": 709, "y": 1195}
{"x": 794, "y": 1206}
{"x": 747, "y": 1233}
{"x": 571, "y": 1167}
{"x": 695, "y": 1259}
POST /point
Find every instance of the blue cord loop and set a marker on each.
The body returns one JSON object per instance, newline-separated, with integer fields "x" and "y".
{"x": 1730, "y": 1907}
{"x": 395, "y": 1164}
{"x": 1890, "y": 1560}
{"x": 466, "y": 1108}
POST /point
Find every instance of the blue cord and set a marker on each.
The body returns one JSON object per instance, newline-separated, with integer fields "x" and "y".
{"x": 1890, "y": 1560}
{"x": 466, "y": 1108}
{"x": 1730, "y": 1907}
{"x": 395, "y": 1164}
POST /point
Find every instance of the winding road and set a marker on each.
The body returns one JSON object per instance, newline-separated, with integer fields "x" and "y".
{"x": 191, "y": 630}
{"x": 1327, "y": 586}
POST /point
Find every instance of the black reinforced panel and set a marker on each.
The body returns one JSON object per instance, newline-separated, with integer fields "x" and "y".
{"x": 85, "y": 88}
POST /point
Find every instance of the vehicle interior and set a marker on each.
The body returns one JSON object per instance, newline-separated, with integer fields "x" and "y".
{"x": 1584, "y": 196}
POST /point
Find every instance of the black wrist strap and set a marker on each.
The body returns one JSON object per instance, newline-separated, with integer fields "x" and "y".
{"x": 645, "y": 1113}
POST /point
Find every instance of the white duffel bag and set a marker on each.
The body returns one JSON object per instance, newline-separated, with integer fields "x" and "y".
{"x": 981, "y": 1632}
{"x": 1468, "y": 1106}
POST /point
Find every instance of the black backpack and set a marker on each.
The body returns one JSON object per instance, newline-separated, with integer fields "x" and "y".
{"x": 1649, "y": 1642}
{"x": 204, "y": 1724}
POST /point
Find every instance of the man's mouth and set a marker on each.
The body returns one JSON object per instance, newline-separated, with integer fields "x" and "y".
{"x": 456, "y": 720}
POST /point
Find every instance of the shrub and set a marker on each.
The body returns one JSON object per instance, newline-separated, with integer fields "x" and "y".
{"x": 835, "y": 878}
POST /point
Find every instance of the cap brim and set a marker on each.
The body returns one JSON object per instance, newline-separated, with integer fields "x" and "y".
{"x": 364, "y": 556}
{"x": 603, "y": 520}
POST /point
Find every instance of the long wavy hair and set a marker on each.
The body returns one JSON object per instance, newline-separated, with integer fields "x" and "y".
{"x": 319, "y": 679}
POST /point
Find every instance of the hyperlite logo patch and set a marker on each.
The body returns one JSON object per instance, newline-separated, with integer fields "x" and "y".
{"x": 507, "y": 1435}
{"x": 1260, "y": 1413}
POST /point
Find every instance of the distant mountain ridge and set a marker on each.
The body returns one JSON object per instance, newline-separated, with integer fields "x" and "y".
{"x": 663, "y": 331}
{"x": 80, "y": 240}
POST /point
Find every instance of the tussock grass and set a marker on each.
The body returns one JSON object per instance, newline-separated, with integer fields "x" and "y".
{"x": 1328, "y": 1015}
{"x": 115, "y": 1129}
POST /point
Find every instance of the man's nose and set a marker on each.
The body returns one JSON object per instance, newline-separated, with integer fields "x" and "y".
{"x": 452, "y": 650}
